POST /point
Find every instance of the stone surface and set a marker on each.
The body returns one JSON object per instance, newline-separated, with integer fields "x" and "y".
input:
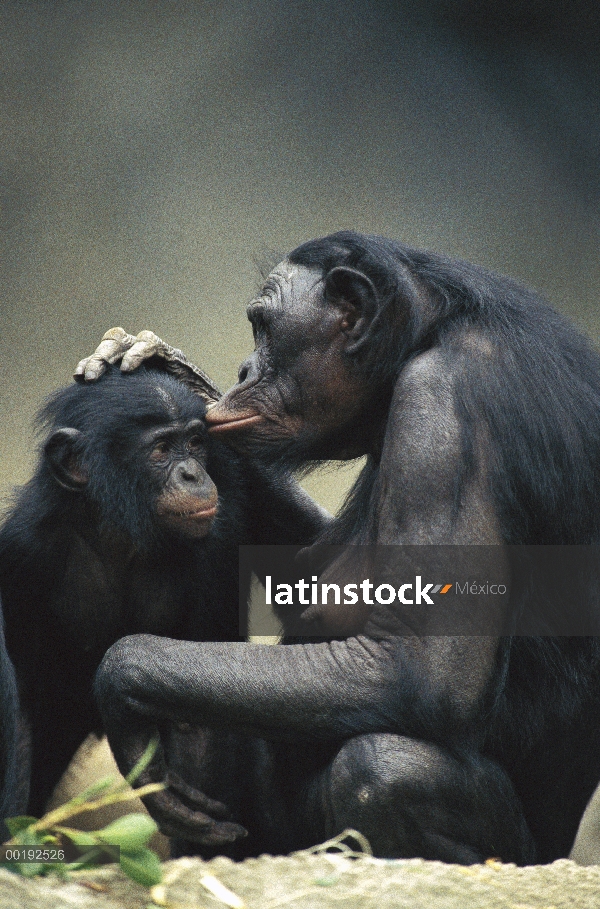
{"x": 586, "y": 848}
{"x": 305, "y": 881}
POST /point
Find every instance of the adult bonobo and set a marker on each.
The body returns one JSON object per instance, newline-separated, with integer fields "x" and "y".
{"x": 479, "y": 410}
{"x": 130, "y": 524}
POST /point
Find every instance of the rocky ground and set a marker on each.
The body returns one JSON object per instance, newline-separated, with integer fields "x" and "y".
{"x": 312, "y": 879}
{"x": 306, "y": 881}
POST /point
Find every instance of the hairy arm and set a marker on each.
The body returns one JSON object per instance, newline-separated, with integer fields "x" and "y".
{"x": 382, "y": 679}
{"x": 433, "y": 490}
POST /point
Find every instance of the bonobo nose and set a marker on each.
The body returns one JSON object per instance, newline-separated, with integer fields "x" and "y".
{"x": 234, "y": 411}
{"x": 189, "y": 471}
{"x": 248, "y": 371}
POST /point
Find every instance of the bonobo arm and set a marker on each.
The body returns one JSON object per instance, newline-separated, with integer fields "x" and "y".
{"x": 117, "y": 345}
{"x": 382, "y": 680}
{"x": 282, "y": 511}
{"x": 324, "y": 691}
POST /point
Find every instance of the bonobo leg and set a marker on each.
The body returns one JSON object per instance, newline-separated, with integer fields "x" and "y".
{"x": 305, "y": 701}
{"x": 258, "y": 781}
{"x": 409, "y": 798}
{"x": 415, "y": 799}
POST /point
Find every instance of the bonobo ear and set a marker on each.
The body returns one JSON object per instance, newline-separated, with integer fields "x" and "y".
{"x": 354, "y": 293}
{"x": 63, "y": 459}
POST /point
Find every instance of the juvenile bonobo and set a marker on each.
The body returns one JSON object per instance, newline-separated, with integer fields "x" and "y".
{"x": 478, "y": 408}
{"x": 130, "y": 524}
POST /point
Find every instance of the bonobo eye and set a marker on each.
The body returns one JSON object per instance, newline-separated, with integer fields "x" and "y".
{"x": 260, "y": 327}
{"x": 196, "y": 443}
{"x": 160, "y": 451}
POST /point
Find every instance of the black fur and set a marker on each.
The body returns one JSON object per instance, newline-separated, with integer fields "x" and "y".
{"x": 538, "y": 396}
{"x": 12, "y": 798}
{"x": 478, "y": 409}
{"x": 78, "y": 570}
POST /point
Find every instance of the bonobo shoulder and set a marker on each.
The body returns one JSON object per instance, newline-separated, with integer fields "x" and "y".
{"x": 423, "y": 367}
{"x": 436, "y": 371}
{"x": 427, "y": 379}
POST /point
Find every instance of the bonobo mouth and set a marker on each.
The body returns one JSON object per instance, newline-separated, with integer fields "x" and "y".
{"x": 202, "y": 514}
{"x": 218, "y": 424}
{"x": 193, "y": 522}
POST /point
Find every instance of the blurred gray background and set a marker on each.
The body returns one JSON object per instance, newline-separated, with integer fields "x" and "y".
{"x": 154, "y": 152}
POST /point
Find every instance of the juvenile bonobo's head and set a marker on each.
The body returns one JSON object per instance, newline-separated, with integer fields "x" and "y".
{"x": 331, "y": 326}
{"x": 133, "y": 448}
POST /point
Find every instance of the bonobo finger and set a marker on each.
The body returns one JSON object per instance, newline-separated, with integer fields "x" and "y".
{"x": 146, "y": 345}
{"x": 94, "y": 367}
{"x": 79, "y": 374}
{"x": 222, "y": 834}
{"x": 198, "y": 800}
{"x": 177, "y": 819}
{"x": 114, "y": 344}
{"x": 216, "y": 833}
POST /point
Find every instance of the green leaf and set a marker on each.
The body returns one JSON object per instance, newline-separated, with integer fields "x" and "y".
{"x": 90, "y": 858}
{"x": 82, "y": 837}
{"x": 142, "y": 866}
{"x": 30, "y": 869}
{"x": 143, "y": 762}
{"x": 16, "y": 824}
{"x": 60, "y": 869}
{"x": 29, "y": 837}
{"x": 131, "y": 832}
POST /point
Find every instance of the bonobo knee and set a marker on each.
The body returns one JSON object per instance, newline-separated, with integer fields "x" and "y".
{"x": 413, "y": 798}
{"x": 379, "y": 785}
{"x": 375, "y": 769}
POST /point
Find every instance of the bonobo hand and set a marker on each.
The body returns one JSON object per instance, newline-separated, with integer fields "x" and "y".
{"x": 117, "y": 345}
{"x": 180, "y": 810}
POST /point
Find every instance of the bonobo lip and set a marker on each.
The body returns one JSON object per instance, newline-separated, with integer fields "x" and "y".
{"x": 202, "y": 514}
{"x": 195, "y": 523}
{"x": 228, "y": 424}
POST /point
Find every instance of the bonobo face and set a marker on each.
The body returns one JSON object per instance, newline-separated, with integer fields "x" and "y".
{"x": 298, "y": 386}
{"x": 175, "y": 455}
{"x": 158, "y": 471}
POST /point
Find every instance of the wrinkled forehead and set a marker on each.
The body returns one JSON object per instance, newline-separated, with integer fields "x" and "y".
{"x": 287, "y": 283}
{"x": 285, "y": 272}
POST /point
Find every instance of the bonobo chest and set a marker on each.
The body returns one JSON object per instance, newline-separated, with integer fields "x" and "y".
{"x": 105, "y": 594}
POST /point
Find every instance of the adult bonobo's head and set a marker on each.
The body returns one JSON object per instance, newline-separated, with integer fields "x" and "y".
{"x": 332, "y": 326}
{"x": 133, "y": 449}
